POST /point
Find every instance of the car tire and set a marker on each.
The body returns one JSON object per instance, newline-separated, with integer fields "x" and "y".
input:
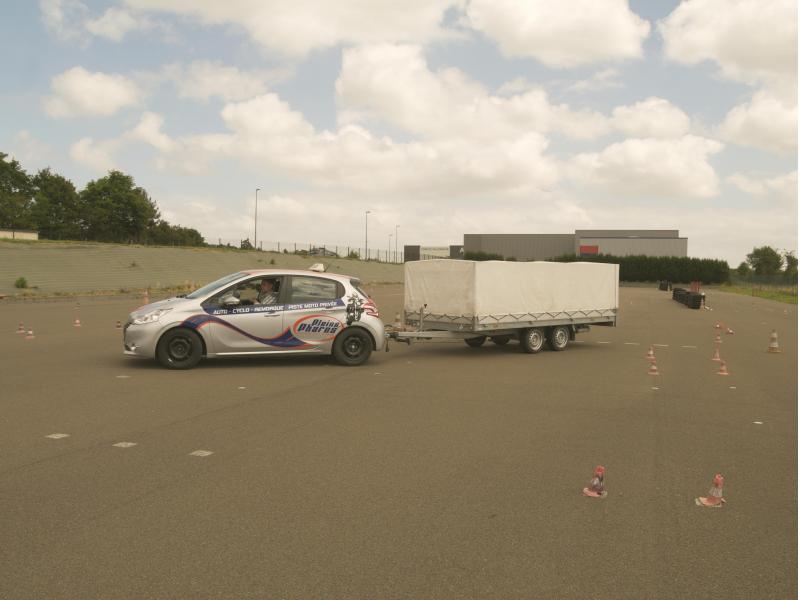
{"x": 179, "y": 349}
{"x": 532, "y": 339}
{"x": 558, "y": 338}
{"x": 352, "y": 347}
{"x": 475, "y": 342}
{"x": 501, "y": 340}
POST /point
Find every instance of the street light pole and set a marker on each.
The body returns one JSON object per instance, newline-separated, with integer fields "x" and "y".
{"x": 396, "y": 256}
{"x": 255, "y": 231}
{"x": 389, "y": 251}
{"x": 366, "y": 234}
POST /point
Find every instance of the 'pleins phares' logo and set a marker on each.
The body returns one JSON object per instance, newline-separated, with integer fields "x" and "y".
{"x": 315, "y": 329}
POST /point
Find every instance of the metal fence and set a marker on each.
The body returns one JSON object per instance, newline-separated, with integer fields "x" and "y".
{"x": 322, "y": 250}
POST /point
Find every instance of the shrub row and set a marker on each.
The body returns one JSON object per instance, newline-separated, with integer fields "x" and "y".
{"x": 655, "y": 268}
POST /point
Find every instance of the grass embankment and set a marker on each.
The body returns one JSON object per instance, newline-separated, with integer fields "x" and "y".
{"x": 54, "y": 269}
{"x": 786, "y": 294}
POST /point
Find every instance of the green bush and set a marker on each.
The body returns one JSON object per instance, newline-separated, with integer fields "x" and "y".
{"x": 353, "y": 254}
{"x": 480, "y": 255}
{"x": 655, "y": 268}
{"x": 21, "y": 283}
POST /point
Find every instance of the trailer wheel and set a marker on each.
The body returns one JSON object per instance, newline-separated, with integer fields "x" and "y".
{"x": 559, "y": 338}
{"x": 475, "y": 342}
{"x": 501, "y": 340}
{"x": 532, "y": 339}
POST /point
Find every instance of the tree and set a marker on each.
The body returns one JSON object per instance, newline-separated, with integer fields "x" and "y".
{"x": 790, "y": 270}
{"x": 115, "y": 210}
{"x": 765, "y": 261}
{"x": 743, "y": 269}
{"x": 16, "y": 195}
{"x": 56, "y": 209}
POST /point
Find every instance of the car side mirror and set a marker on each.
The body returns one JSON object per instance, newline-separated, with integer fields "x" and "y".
{"x": 230, "y": 301}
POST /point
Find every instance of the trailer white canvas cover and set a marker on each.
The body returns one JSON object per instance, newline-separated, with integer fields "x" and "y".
{"x": 462, "y": 288}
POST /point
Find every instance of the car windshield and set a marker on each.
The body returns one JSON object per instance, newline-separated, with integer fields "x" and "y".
{"x": 214, "y": 285}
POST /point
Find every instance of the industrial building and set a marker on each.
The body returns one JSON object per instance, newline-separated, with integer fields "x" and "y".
{"x": 584, "y": 242}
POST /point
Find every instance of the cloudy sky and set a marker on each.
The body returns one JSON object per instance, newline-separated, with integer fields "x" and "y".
{"x": 444, "y": 117}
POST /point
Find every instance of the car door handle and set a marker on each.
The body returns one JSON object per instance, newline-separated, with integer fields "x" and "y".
{"x": 273, "y": 315}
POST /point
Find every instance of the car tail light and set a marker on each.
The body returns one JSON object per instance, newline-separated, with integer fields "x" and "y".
{"x": 370, "y": 308}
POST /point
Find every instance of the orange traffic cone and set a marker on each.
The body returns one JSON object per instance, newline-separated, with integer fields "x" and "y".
{"x": 653, "y": 370}
{"x": 718, "y": 326}
{"x": 596, "y": 487}
{"x": 714, "y": 499}
{"x": 21, "y": 328}
{"x": 77, "y": 322}
{"x": 716, "y": 357}
{"x": 398, "y": 324}
{"x": 723, "y": 370}
{"x": 718, "y": 339}
{"x": 773, "y": 343}
{"x": 651, "y": 355}
{"x": 119, "y": 324}
{"x": 146, "y": 296}
{"x": 729, "y": 331}
{"x": 29, "y": 335}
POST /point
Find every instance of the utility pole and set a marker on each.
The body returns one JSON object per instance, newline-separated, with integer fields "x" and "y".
{"x": 389, "y": 251}
{"x": 255, "y": 231}
{"x": 366, "y": 234}
{"x": 396, "y": 256}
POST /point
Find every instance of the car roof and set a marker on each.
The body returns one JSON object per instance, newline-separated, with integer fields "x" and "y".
{"x": 277, "y": 272}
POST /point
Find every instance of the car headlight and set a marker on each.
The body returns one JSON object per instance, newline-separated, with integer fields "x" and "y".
{"x": 151, "y": 317}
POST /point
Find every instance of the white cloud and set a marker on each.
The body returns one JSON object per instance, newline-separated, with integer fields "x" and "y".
{"x": 202, "y": 79}
{"x": 601, "y": 80}
{"x": 148, "y": 130}
{"x": 296, "y": 28}
{"x": 653, "y": 117}
{"x": 783, "y": 187}
{"x": 64, "y": 18}
{"x": 29, "y": 150}
{"x": 96, "y": 156}
{"x": 652, "y": 168}
{"x": 765, "y": 122}
{"x": 751, "y": 40}
{"x": 561, "y": 35}
{"x": 116, "y": 23}
{"x": 393, "y": 83}
{"x": 81, "y": 93}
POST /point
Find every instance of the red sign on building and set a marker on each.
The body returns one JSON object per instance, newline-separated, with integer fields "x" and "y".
{"x": 589, "y": 250}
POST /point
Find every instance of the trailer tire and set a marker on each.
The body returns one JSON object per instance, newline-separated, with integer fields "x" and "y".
{"x": 532, "y": 339}
{"x": 558, "y": 338}
{"x": 475, "y": 342}
{"x": 501, "y": 340}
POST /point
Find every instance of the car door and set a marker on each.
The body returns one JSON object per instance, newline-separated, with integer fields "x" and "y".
{"x": 245, "y": 325}
{"x": 315, "y": 311}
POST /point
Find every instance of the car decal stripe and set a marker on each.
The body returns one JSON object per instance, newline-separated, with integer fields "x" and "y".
{"x": 285, "y": 340}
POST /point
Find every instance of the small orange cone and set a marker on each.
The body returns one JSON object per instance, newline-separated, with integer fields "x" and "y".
{"x": 653, "y": 370}
{"x": 596, "y": 487}
{"x": 718, "y": 326}
{"x": 21, "y": 328}
{"x": 729, "y": 331}
{"x": 398, "y": 324}
{"x": 716, "y": 357}
{"x": 651, "y": 355}
{"x": 29, "y": 335}
{"x": 77, "y": 322}
{"x": 714, "y": 499}
{"x": 119, "y": 324}
{"x": 723, "y": 370}
{"x": 773, "y": 343}
{"x": 718, "y": 339}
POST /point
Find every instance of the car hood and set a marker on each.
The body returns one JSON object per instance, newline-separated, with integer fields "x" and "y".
{"x": 174, "y": 302}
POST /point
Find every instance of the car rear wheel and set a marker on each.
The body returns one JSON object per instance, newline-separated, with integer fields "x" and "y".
{"x": 559, "y": 338}
{"x": 179, "y": 349}
{"x": 532, "y": 339}
{"x": 352, "y": 347}
{"x": 475, "y": 342}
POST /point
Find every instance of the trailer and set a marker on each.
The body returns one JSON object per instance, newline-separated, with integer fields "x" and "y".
{"x": 532, "y": 302}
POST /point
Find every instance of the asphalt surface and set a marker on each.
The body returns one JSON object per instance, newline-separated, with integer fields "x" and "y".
{"x": 433, "y": 471}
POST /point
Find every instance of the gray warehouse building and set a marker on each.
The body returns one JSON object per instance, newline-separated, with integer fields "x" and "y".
{"x": 584, "y": 242}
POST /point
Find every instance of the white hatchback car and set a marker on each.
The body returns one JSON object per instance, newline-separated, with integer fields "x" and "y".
{"x": 259, "y": 312}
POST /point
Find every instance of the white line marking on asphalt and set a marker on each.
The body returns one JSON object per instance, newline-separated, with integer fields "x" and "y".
{"x": 695, "y": 347}
{"x": 241, "y": 387}
{"x": 758, "y": 422}
{"x": 733, "y": 387}
{"x": 661, "y": 345}
{"x": 201, "y": 453}
{"x": 124, "y": 444}
{"x": 603, "y": 342}
{"x": 57, "y": 436}
{"x": 654, "y": 388}
{"x": 579, "y": 342}
{"x": 631, "y": 343}
{"x": 377, "y": 373}
{"x": 123, "y": 376}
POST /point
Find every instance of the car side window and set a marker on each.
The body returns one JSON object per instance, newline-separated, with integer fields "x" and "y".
{"x": 314, "y": 289}
{"x": 247, "y": 292}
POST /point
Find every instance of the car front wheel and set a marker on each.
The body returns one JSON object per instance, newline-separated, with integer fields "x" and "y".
{"x": 179, "y": 349}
